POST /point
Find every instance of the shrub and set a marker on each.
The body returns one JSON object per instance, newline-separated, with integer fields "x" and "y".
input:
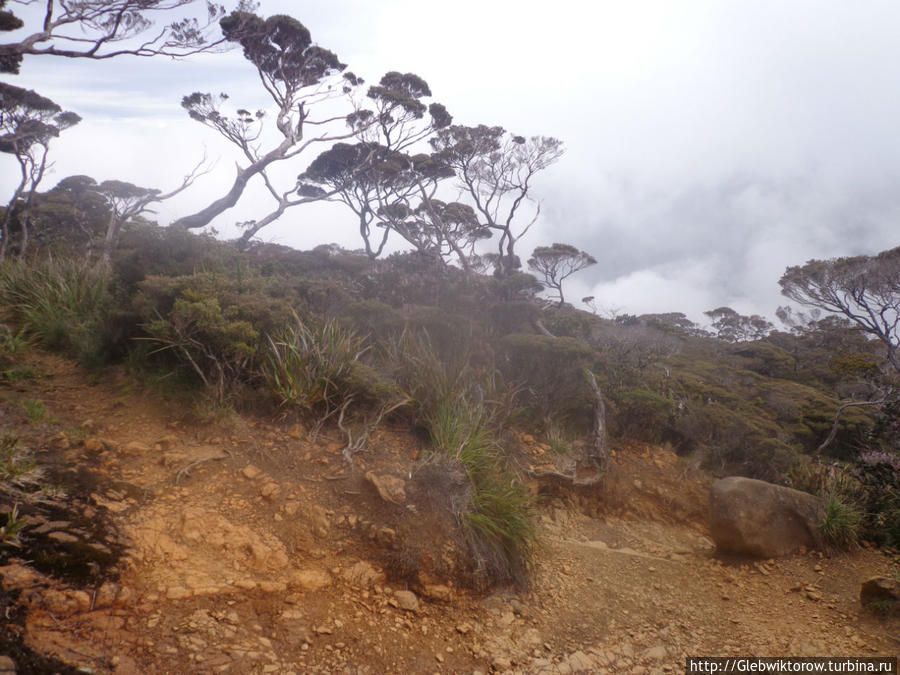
{"x": 212, "y": 324}
{"x": 643, "y": 415}
{"x": 64, "y": 304}
{"x": 551, "y": 373}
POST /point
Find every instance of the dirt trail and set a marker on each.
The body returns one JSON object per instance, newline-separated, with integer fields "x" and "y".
{"x": 250, "y": 549}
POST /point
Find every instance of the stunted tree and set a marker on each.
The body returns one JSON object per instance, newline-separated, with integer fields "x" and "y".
{"x": 733, "y": 327}
{"x": 104, "y": 29}
{"x": 495, "y": 170}
{"x": 28, "y": 122}
{"x": 557, "y": 263}
{"x": 126, "y": 201}
{"x": 865, "y": 289}
{"x": 378, "y": 178}
{"x": 298, "y": 75}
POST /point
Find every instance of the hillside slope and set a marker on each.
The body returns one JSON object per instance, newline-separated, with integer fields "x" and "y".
{"x": 247, "y": 547}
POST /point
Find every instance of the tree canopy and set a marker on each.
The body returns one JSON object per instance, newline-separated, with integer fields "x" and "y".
{"x": 865, "y": 289}
{"x": 557, "y": 263}
{"x": 104, "y": 29}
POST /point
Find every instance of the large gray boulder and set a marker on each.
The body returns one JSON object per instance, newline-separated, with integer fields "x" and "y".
{"x": 755, "y": 518}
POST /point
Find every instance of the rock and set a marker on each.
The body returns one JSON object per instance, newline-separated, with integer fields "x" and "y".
{"x": 390, "y": 488}
{"x": 657, "y": 653}
{"x": 62, "y": 537}
{"x": 438, "y": 592}
{"x": 363, "y": 575}
{"x": 250, "y": 472}
{"x": 880, "y": 593}
{"x": 17, "y": 577}
{"x": 318, "y": 521}
{"x": 581, "y": 662}
{"x": 501, "y": 663}
{"x": 7, "y": 666}
{"x": 94, "y": 445}
{"x": 386, "y": 536}
{"x": 270, "y": 490}
{"x": 135, "y": 448}
{"x": 464, "y": 628}
{"x": 177, "y": 593}
{"x": 760, "y": 519}
{"x": 407, "y": 600}
{"x": 60, "y": 441}
{"x": 311, "y": 579}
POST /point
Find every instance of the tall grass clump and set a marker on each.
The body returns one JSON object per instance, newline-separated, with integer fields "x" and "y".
{"x": 841, "y": 523}
{"x": 464, "y": 410}
{"x": 310, "y": 365}
{"x": 63, "y": 304}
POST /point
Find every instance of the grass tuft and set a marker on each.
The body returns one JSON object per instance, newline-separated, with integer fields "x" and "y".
{"x": 841, "y": 523}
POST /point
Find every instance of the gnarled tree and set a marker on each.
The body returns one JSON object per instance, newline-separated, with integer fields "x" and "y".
{"x": 28, "y": 122}
{"x": 377, "y": 178}
{"x": 865, "y": 289}
{"x": 297, "y": 75}
{"x": 104, "y": 29}
{"x": 557, "y": 263}
{"x": 495, "y": 169}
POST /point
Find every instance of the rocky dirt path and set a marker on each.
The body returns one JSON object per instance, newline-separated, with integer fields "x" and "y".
{"x": 249, "y": 548}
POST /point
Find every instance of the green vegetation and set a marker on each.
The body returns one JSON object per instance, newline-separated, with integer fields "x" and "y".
{"x": 9, "y": 532}
{"x": 842, "y": 521}
{"x": 16, "y": 464}
{"x": 63, "y": 304}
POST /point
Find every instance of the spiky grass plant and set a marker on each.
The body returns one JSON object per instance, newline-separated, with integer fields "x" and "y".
{"x": 307, "y": 364}
{"x": 16, "y": 464}
{"x": 61, "y": 303}
{"x": 841, "y": 522}
{"x": 497, "y": 518}
{"x": 9, "y": 532}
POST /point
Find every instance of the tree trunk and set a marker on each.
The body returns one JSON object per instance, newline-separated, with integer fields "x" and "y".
{"x": 598, "y": 450}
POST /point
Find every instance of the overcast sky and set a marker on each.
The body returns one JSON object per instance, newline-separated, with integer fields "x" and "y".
{"x": 709, "y": 144}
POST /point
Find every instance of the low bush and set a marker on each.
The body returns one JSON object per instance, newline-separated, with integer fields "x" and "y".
{"x": 212, "y": 324}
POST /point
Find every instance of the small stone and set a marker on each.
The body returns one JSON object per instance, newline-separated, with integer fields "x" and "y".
{"x": 390, "y": 488}
{"x": 7, "y": 666}
{"x": 657, "y": 653}
{"x": 438, "y": 592}
{"x": 94, "y": 445}
{"x": 501, "y": 663}
{"x": 386, "y": 536}
{"x": 311, "y": 579}
{"x": 177, "y": 593}
{"x": 270, "y": 490}
{"x": 407, "y": 600}
{"x": 63, "y": 537}
{"x": 291, "y": 508}
{"x": 464, "y": 628}
{"x": 135, "y": 448}
{"x": 581, "y": 661}
{"x": 251, "y": 472}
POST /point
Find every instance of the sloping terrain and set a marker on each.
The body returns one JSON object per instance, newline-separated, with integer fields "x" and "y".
{"x": 251, "y": 547}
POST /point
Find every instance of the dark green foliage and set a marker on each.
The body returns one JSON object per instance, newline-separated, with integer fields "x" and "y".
{"x": 213, "y": 324}
{"x": 64, "y": 305}
{"x": 642, "y": 415}
{"x": 550, "y": 371}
